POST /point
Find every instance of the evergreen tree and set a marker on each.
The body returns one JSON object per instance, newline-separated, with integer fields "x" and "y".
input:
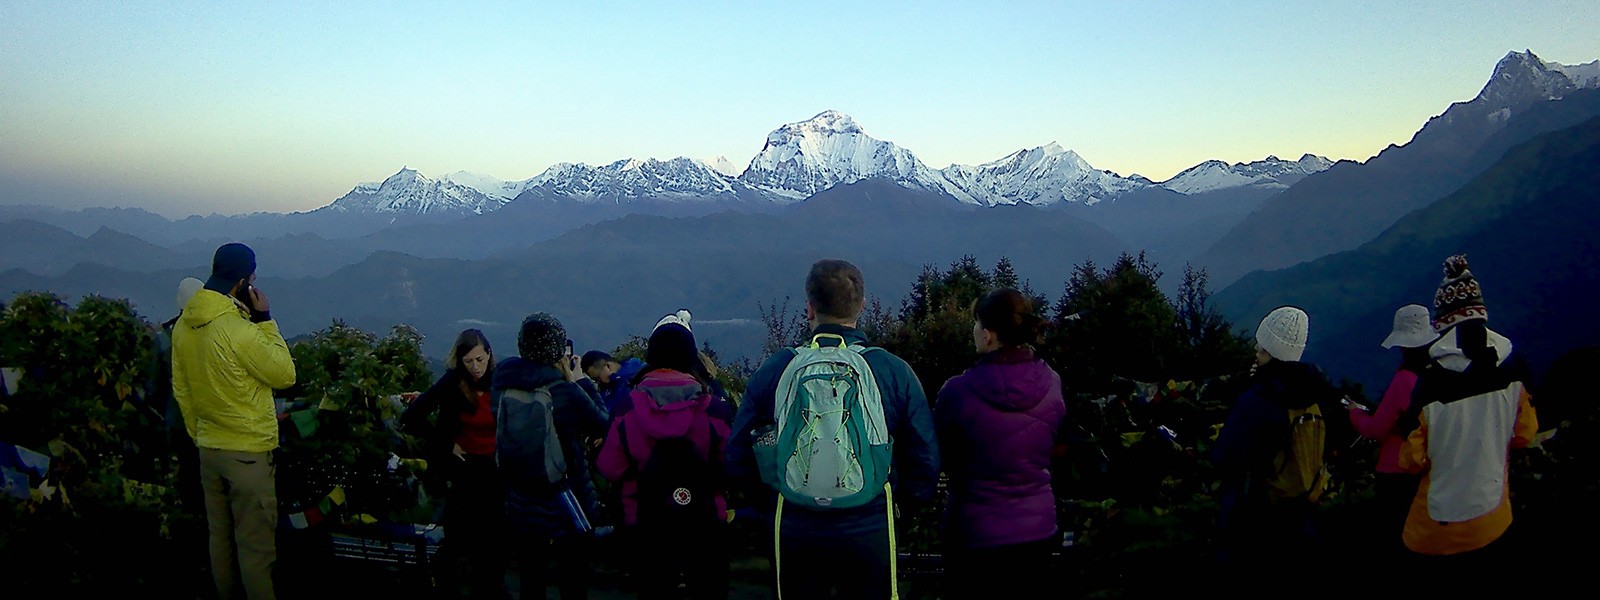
{"x": 1005, "y": 276}
{"x": 1209, "y": 347}
{"x": 1115, "y": 325}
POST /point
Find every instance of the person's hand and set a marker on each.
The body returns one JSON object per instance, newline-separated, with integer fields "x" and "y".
{"x": 569, "y": 369}
{"x": 258, "y": 300}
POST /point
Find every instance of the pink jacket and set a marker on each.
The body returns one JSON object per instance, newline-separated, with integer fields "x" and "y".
{"x": 665, "y": 404}
{"x": 1382, "y": 424}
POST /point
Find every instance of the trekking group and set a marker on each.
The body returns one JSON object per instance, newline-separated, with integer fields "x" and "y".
{"x": 831, "y": 438}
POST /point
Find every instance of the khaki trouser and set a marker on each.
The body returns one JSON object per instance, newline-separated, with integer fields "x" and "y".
{"x": 242, "y": 515}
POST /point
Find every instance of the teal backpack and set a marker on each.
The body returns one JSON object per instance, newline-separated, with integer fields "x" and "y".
{"x": 830, "y": 446}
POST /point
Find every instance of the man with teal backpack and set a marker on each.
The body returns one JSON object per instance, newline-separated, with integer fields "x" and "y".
{"x": 836, "y": 431}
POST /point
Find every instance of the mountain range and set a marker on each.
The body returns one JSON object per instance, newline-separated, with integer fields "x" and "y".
{"x": 1351, "y": 203}
{"x": 609, "y": 248}
{"x": 1526, "y": 225}
{"x": 803, "y": 158}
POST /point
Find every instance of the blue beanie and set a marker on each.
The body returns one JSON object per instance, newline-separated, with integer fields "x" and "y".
{"x": 231, "y": 263}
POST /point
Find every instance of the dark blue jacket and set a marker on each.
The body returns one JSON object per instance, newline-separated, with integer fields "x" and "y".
{"x": 621, "y": 383}
{"x": 533, "y": 509}
{"x": 915, "y": 468}
{"x": 1257, "y": 428}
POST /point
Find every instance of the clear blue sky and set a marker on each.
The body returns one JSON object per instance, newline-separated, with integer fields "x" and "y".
{"x": 200, "y": 107}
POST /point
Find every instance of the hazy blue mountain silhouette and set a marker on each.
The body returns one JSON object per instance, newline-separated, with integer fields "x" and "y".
{"x": 1527, "y": 225}
{"x": 1174, "y": 228}
{"x": 49, "y": 250}
{"x": 612, "y": 279}
{"x": 1351, "y": 203}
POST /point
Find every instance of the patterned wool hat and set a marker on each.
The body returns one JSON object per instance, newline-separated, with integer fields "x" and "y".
{"x": 1282, "y": 333}
{"x": 1458, "y": 298}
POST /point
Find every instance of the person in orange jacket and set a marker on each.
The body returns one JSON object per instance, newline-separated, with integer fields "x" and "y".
{"x": 1472, "y": 409}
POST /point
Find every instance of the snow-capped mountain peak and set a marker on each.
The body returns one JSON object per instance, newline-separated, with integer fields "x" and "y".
{"x": 408, "y": 191}
{"x": 806, "y": 157}
{"x": 488, "y": 185}
{"x": 678, "y": 179}
{"x": 1521, "y": 78}
{"x": 1047, "y": 174}
{"x": 828, "y": 122}
{"x": 1270, "y": 172}
{"x": 722, "y": 165}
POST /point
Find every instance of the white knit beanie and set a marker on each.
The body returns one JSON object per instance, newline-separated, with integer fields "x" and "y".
{"x": 1283, "y": 333}
{"x": 681, "y": 317}
{"x": 186, "y": 290}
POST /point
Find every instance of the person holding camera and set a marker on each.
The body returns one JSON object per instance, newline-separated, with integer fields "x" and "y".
{"x": 549, "y": 493}
{"x": 227, "y": 358}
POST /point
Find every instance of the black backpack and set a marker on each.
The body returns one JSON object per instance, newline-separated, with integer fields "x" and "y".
{"x": 677, "y": 487}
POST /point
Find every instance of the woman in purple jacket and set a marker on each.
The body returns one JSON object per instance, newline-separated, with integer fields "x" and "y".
{"x": 997, "y": 425}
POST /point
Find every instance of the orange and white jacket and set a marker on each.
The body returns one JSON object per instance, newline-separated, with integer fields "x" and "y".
{"x": 1469, "y": 421}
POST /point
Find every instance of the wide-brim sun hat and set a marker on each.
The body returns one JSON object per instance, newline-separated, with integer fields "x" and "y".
{"x": 1412, "y": 328}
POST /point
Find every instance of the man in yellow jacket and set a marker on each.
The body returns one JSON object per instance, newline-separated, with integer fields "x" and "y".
{"x": 227, "y": 357}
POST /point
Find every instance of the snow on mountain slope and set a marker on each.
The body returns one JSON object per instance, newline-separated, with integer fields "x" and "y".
{"x": 410, "y": 192}
{"x": 803, "y": 158}
{"x": 1045, "y": 175}
{"x": 1272, "y": 172}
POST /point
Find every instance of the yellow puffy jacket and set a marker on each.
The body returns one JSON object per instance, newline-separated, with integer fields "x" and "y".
{"x": 224, "y": 369}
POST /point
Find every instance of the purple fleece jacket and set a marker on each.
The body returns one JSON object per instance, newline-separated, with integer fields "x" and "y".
{"x": 997, "y": 425}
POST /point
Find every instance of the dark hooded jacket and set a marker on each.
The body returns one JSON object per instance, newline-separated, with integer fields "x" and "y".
{"x": 997, "y": 425}
{"x": 1257, "y": 428}
{"x": 533, "y": 507}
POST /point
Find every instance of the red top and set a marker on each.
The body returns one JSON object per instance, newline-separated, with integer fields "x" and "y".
{"x": 477, "y": 428}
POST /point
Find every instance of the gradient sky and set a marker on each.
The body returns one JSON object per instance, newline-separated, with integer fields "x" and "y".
{"x": 202, "y": 107}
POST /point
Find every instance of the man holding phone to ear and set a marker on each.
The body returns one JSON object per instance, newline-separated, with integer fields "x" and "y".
{"x": 227, "y": 358}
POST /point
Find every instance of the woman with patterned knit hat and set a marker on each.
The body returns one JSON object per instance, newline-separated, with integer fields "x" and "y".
{"x": 1471, "y": 410}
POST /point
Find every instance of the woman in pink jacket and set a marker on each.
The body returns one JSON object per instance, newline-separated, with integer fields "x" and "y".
{"x": 666, "y": 448}
{"x": 1388, "y": 423}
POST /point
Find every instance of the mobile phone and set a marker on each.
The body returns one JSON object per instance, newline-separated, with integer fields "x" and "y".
{"x": 569, "y": 347}
{"x": 1348, "y": 403}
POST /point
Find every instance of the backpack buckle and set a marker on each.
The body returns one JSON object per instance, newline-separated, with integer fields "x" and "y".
{"x": 819, "y": 336}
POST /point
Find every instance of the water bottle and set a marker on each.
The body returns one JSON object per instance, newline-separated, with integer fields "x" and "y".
{"x": 574, "y": 508}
